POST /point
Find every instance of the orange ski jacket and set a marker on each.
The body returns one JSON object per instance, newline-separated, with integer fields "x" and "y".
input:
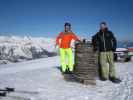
{"x": 64, "y": 39}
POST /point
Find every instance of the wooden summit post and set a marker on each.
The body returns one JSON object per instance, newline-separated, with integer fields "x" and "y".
{"x": 85, "y": 63}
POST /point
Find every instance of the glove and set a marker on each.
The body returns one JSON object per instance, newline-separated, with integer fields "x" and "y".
{"x": 114, "y": 49}
{"x": 56, "y": 46}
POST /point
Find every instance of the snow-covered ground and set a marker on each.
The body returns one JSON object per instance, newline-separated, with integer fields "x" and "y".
{"x": 44, "y": 77}
{"x": 16, "y": 49}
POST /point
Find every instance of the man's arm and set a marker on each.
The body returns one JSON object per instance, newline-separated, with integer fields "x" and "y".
{"x": 58, "y": 38}
{"x": 114, "y": 42}
{"x": 95, "y": 42}
{"x": 75, "y": 37}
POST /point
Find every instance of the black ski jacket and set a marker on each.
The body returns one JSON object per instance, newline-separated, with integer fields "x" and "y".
{"x": 104, "y": 41}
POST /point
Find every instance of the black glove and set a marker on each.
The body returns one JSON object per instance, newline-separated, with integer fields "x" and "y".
{"x": 114, "y": 49}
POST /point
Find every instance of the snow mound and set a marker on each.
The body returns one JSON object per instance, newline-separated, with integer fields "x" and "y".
{"x": 121, "y": 49}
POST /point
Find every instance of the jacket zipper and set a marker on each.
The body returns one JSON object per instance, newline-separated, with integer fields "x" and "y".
{"x": 104, "y": 42}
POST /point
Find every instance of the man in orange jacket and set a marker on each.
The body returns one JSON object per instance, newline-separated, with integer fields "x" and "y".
{"x": 64, "y": 40}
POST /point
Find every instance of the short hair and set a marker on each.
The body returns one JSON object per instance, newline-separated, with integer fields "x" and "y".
{"x": 67, "y": 24}
{"x": 104, "y": 23}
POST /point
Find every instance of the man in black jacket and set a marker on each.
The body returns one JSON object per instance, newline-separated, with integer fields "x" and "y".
{"x": 105, "y": 43}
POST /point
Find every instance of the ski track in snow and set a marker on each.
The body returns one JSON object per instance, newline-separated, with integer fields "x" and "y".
{"x": 43, "y": 76}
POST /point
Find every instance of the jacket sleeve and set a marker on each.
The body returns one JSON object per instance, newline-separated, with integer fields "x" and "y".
{"x": 58, "y": 37}
{"x": 95, "y": 42}
{"x": 75, "y": 37}
{"x": 114, "y": 42}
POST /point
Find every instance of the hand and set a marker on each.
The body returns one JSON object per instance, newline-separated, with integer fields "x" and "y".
{"x": 55, "y": 46}
{"x": 78, "y": 41}
{"x": 113, "y": 49}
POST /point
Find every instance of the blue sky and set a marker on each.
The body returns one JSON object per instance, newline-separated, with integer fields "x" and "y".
{"x": 47, "y": 17}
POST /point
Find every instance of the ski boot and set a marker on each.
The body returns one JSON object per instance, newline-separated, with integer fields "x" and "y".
{"x": 115, "y": 80}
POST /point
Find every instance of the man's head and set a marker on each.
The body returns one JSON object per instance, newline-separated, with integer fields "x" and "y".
{"x": 103, "y": 26}
{"x": 67, "y": 27}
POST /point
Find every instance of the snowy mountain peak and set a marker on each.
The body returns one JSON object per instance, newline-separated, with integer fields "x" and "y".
{"x": 14, "y": 48}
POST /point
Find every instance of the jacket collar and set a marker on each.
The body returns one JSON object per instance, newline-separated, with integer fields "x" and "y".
{"x": 105, "y": 30}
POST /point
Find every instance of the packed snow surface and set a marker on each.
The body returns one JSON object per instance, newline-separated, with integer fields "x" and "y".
{"x": 43, "y": 76}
